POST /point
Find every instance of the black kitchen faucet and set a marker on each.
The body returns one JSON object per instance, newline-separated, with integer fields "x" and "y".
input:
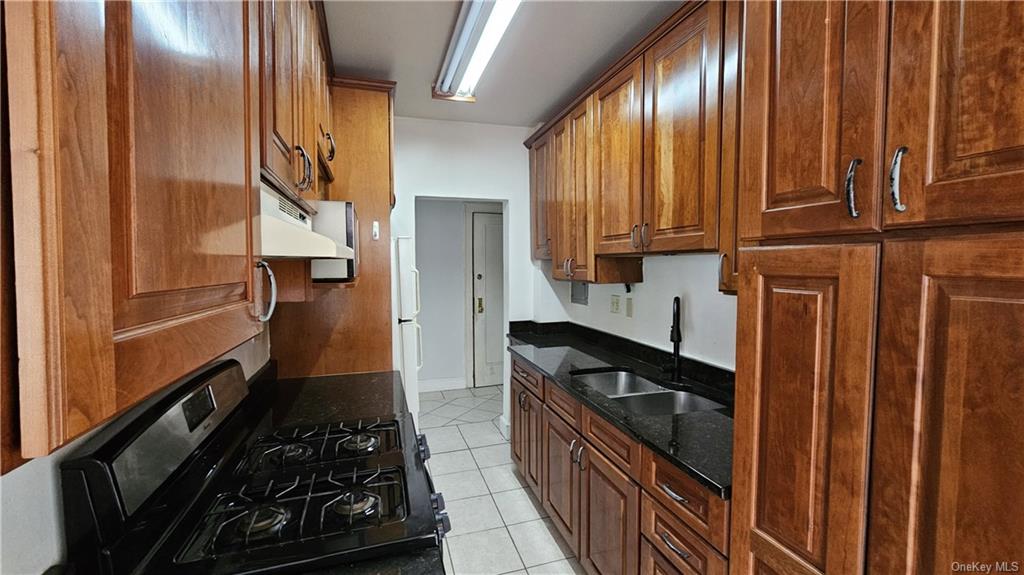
{"x": 675, "y": 336}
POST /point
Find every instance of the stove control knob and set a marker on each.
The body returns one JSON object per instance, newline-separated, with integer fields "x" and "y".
{"x": 444, "y": 525}
{"x": 421, "y": 443}
{"x": 437, "y": 499}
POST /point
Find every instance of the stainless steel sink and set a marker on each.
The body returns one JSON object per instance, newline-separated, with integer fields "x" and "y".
{"x": 666, "y": 403}
{"x": 617, "y": 383}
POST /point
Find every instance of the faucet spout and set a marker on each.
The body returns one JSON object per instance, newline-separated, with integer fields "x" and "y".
{"x": 675, "y": 336}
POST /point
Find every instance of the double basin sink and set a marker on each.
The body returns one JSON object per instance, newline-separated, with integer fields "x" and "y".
{"x": 644, "y": 397}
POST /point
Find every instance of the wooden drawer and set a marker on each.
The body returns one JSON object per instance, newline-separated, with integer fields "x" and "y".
{"x": 613, "y": 443}
{"x": 560, "y": 402}
{"x": 654, "y": 563}
{"x": 678, "y": 543}
{"x": 528, "y": 376}
{"x": 706, "y": 513}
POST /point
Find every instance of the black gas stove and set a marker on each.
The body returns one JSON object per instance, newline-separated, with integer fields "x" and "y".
{"x": 203, "y": 482}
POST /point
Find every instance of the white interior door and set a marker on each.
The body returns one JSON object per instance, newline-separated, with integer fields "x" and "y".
{"x": 488, "y": 299}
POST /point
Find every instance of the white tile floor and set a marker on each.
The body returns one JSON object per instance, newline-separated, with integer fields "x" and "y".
{"x": 498, "y": 526}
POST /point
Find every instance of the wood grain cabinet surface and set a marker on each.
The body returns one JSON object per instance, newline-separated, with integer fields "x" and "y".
{"x": 527, "y": 442}
{"x": 280, "y": 98}
{"x": 805, "y": 363}
{"x": 813, "y": 99}
{"x": 540, "y": 198}
{"x": 682, "y": 139}
{"x": 610, "y": 517}
{"x": 561, "y": 477}
{"x": 133, "y": 221}
{"x": 947, "y": 470}
{"x": 955, "y": 120}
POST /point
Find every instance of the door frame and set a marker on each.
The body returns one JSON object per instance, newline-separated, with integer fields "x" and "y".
{"x": 497, "y": 208}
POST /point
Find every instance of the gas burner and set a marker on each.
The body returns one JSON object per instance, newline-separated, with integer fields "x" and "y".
{"x": 262, "y": 521}
{"x": 356, "y": 502}
{"x": 361, "y": 442}
{"x": 296, "y": 453}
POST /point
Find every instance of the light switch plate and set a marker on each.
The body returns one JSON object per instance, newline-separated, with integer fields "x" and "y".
{"x": 616, "y": 304}
{"x": 629, "y": 307}
{"x": 375, "y": 231}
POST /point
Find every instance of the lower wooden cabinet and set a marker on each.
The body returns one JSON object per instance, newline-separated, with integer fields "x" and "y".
{"x": 805, "y": 363}
{"x": 677, "y": 543}
{"x": 527, "y": 413}
{"x": 609, "y": 522}
{"x": 654, "y": 563}
{"x": 561, "y": 477}
{"x": 946, "y": 466}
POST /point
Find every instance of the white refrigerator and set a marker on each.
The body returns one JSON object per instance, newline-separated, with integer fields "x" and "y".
{"x": 410, "y": 334}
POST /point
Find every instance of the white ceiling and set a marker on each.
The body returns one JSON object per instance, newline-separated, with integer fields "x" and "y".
{"x": 551, "y": 51}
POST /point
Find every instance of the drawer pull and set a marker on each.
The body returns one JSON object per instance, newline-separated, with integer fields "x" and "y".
{"x": 676, "y": 550}
{"x": 521, "y": 373}
{"x": 675, "y": 496}
{"x": 571, "y": 445}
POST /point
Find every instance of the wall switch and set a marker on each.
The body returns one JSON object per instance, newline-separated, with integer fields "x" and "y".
{"x": 629, "y": 307}
{"x": 375, "y": 230}
{"x": 616, "y": 299}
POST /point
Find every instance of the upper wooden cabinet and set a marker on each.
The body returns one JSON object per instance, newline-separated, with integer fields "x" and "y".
{"x": 946, "y": 471}
{"x": 804, "y": 366}
{"x": 540, "y": 198}
{"x": 618, "y": 169}
{"x": 580, "y": 185}
{"x": 136, "y": 195}
{"x": 280, "y": 134}
{"x": 813, "y": 99}
{"x": 955, "y": 125}
{"x": 563, "y": 219}
{"x": 682, "y": 147}
{"x": 308, "y": 37}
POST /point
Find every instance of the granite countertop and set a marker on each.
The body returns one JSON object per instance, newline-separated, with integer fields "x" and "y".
{"x": 699, "y": 443}
{"x": 332, "y": 398}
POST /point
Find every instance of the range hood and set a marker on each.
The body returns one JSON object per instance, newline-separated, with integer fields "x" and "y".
{"x": 287, "y": 232}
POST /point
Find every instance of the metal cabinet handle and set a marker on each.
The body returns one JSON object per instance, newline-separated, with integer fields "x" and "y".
{"x": 273, "y": 291}
{"x": 676, "y": 550}
{"x": 565, "y": 267}
{"x": 572, "y": 267}
{"x": 645, "y": 239}
{"x": 721, "y": 261}
{"x": 579, "y": 457}
{"x": 571, "y": 445}
{"x": 894, "y": 178}
{"x": 333, "y": 149}
{"x": 520, "y": 372}
{"x": 522, "y": 398}
{"x": 632, "y": 235}
{"x": 307, "y": 170}
{"x": 850, "y": 192}
{"x": 675, "y": 496}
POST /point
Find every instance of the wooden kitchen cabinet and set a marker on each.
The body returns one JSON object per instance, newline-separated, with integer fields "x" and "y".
{"x": 280, "y": 122}
{"x": 946, "y": 473}
{"x": 813, "y": 98}
{"x": 136, "y": 196}
{"x": 682, "y": 141}
{"x": 609, "y": 517}
{"x": 728, "y": 198}
{"x": 564, "y": 218}
{"x": 308, "y": 38}
{"x": 561, "y": 478}
{"x": 580, "y": 241}
{"x": 527, "y": 418}
{"x": 618, "y": 169}
{"x": 540, "y": 194}
{"x": 955, "y": 114}
{"x": 805, "y": 363}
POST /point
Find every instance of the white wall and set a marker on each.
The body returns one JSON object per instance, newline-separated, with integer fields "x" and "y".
{"x": 440, "y": 257}
{"x": 439, "y": 159}
{"x": 31, "y": 520}
{"x": 708, "y": 316}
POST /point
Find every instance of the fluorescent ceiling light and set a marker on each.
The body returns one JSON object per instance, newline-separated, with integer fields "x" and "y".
{"x": 478, "y": 32}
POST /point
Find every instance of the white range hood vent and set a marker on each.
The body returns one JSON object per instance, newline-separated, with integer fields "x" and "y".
{"x": 287, "y": 232}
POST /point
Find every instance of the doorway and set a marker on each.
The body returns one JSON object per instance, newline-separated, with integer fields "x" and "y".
{"x": 487, "y": 279}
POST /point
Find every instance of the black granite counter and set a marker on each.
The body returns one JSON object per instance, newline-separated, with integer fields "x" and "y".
{"x": 699, "y": 443}
{"x": 333, "y": 398}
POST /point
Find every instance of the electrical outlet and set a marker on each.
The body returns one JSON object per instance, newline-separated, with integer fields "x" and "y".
{"x": 616, "y": 300}
{"x": 629, "y": 307}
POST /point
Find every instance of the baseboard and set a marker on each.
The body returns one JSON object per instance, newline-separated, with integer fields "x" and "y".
{"x": 443, "y": 384}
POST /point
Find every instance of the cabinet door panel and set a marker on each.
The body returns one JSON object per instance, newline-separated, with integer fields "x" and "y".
{"x": 681, "y": 134}
{"x": 564, "y": 219}
{"x": 539, "y": 184}
{"x": 813, "y": 95}
{"x": 279, "y": 93}
{"x": 561, "y": 478}
{"x": 180, "y": 187}
{"x": 618, "y": 167}
{"x": 518, "y": 426}
{"x": 533, "y": 442}
{"x": 581, "y": 265}
{"x": 610, "y": 517}
{"x": 946, "y": 472}
{"x": 804, "y": 358}
{"x": 956, "y": 76}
